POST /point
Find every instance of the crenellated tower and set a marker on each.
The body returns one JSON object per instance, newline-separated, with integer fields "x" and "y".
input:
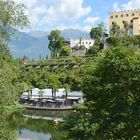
{"x": 132, "y": 17}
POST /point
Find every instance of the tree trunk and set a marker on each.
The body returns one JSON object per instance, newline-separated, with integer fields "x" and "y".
{"x": 31, "y": 93}
{"x": 28, "y": 94}
{"x": 52, "y": 93}
{"x": 66, "y": 97}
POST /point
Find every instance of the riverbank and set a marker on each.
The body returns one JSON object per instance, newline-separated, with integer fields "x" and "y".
{"x": 48, "y": 108}
{"x": 22, "y": 139}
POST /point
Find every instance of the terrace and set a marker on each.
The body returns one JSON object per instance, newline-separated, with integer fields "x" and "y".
{"x": 35, "y": 100}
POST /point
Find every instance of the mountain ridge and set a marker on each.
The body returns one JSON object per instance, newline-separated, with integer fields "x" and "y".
{"x": 35, "y": 43}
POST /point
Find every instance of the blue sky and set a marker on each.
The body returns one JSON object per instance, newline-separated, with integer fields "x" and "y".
{"x": 46, "y": 15}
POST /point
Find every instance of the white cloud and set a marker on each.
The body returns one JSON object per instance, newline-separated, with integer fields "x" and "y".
{"x": 39, "y": 10}
{"x": 66, "y": 10}
{"x": 92, "y": 20}
{"x": 72, "y": 8}
{"x": 116, "y": 6}
{"x": 86, "y": 28}
{"x": 132, "y": 4}
{"x": 49, "y": 12}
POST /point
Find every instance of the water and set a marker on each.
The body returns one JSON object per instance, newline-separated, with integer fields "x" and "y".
{"x": 19, "y": 127}
{"x": 34, "y": 129}
{"x": 47, "y": 114}
{"x": 33, "y": 135}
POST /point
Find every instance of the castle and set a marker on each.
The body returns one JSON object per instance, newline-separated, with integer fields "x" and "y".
{"x": 87, "y": 43}
{"x": 128, "y": 22}
{"x": 132, "y": 17}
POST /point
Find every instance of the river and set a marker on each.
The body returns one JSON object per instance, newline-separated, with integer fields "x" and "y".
{"x": 33, "y": 125}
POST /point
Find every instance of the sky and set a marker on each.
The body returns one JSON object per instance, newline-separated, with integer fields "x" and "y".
{"x": 46, "y": 15}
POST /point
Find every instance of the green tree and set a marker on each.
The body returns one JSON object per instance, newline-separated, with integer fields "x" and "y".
{"x": 97, "y": 32}
{"x": 53, "y": 83}
{"x": 126, "y": 41}
{"x": 25, "y": 58}
{"x": 115, "y": 30}
{"x": 126, "y": 27}
{"x": 12, "y": 17}
{"x": 93, "y": 50}
{"x": 46, "y": 57}
{"x": 67, "y": 89}
{"x": 8, "y": 83}
{"x": 111, "y": 86}
{"x": 5, "y": 53}
{"x": 56, "y": 42}
{"x": 41, "y": 92}
{"x": 82, "y": 47}
{"x": 26, "y": 87}
{"x": 65, "y": 51}
{"x": 113, "y": 94}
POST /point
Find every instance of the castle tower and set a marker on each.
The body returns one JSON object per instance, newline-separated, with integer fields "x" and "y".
{"x": 132, "y": 17}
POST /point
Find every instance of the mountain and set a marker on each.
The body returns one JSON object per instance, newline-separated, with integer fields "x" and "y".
{"x": 35, "y": 43}
{"x": 25, "y": 44}
{"x": 38, "y": 34}
{"x": 73, "y": 33}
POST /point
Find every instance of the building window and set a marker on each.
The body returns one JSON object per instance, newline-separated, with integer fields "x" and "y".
{"x": 111, "y": 17}
{"x": 133, "y": 14}
{"x": 127, "y": 15}
{"x": 112, "y": 23}
{"x": 116, "y": 16}
{"x": 89, "y": 42}
{"x": 121, "y": 15}
{"x": 130, "y": 32}
{"x": 131, "y": 21}
{"x": 86, "y": 42}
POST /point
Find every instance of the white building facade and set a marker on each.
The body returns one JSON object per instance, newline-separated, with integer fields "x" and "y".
{"x": 81, "y": 42}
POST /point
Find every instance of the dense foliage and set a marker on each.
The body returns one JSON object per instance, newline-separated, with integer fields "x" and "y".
{"x": 93, "y": 50}
{"x": 65, "y": 51}
{"x": 12, "y": 17}
{"x": 127, "y": 29}
{"x": 8, "y": 82}
{"x": 55, "y": 73}
{"x": 111, "y": 87}
{"x": 127, "y": 41}
{"x": 97, "y": 32}
{"x": 110, "y": 80}
{"x": 115, "y": 29}
{"x": 56, "y": 42}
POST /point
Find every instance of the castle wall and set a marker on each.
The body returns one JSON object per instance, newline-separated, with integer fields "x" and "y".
{"x": 131, "y": 16}
{"x": 81, "y": 42}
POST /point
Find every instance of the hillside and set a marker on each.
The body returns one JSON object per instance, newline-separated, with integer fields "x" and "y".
{"x": 56, "y": 71}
